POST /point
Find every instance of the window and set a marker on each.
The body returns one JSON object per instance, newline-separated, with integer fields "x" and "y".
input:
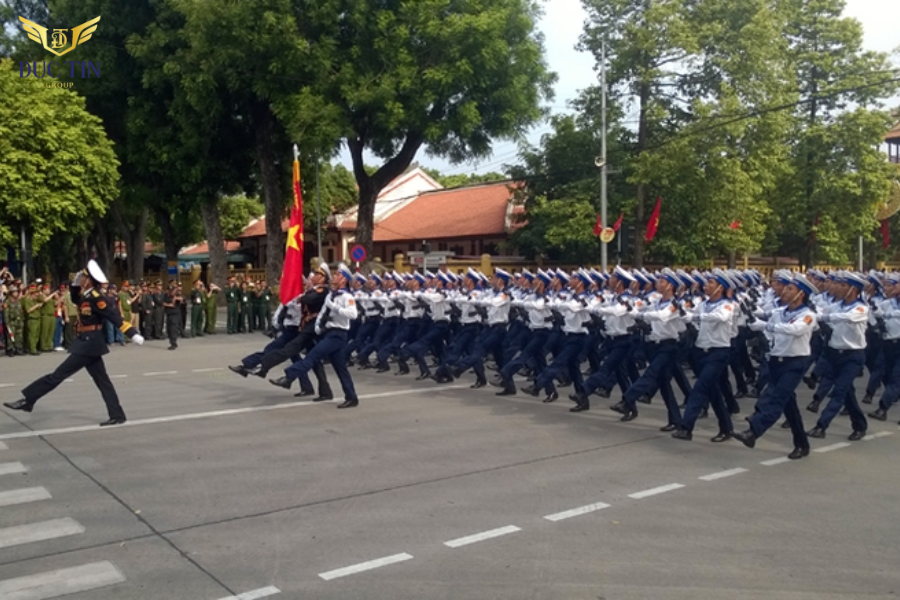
{"x": 442, "y": 246}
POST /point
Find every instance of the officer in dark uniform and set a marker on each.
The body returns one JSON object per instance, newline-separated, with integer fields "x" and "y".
{"x": 172, "y": 303}
{"x": 159, "y": 296}
{"x": 88, "y": 348}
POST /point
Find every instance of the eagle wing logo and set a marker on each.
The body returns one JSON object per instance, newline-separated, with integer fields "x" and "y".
{"x": 80, "y": 34}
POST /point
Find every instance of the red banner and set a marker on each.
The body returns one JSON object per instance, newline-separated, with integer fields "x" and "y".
{"x": 292, "y": 272}
{"x": 618, "y": 222}
{"x": 598, "y": 226}
{"x": 653, "y": 223}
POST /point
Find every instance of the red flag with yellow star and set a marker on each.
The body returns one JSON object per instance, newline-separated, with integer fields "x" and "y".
{"x": 292, "y": 272}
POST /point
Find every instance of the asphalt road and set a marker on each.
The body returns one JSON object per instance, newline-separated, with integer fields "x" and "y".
{"x": 224, "y": 487}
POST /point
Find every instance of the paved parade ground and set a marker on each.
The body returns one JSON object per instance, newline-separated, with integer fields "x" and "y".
{"x": 224, "y": 487}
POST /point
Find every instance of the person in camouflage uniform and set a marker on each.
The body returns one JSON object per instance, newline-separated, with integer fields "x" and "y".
{"x": 14, "y": 319}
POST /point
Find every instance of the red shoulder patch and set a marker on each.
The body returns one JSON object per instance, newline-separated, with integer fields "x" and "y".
{"x": 101, "y": 304}
{"x": 860, "y": 309}
{"x": 807, "y": 319}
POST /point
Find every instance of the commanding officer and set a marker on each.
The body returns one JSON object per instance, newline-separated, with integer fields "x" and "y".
{"x": 198, "y": 304}
{"x": 31, "y": 305}
{"x": 791, "y": 327}
{"x": 333, "y": 324}
{"x": 232, "y": 295}
{"x": 88, "y": 349}
{"x": 159, "y": 296}
{"x": 846, "y": 354}
{"x": 711, "y": 353}
{"x": 14, "y": 319}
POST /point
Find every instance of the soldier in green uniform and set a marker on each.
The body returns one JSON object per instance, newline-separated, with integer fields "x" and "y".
{"x": 211, "y": 308}
{"x": 14, "y": 319}
{"x": 232, "y": 295}
{"x": 125, "y": 303}
{"x": 48, "y": 318}
{"x": 198, "y": 304}
{"x": 246, "y": 318}
{"x": 31, "y": 305}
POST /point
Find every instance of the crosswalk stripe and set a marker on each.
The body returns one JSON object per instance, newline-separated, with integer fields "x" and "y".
{"x": 23, "y": 495}
{"x": 11, "y": 468}
{"x": 255, "y": 594}
{"x": 61, "y": 582}
{"x": 37, "y": 532}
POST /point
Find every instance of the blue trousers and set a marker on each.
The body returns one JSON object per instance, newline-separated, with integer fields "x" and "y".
{"x": 658, "y": 375}
{"x": 330, "y": 346}
{"x": 710, "y": 365}
{"x": 847, "y": 366}
{"x": 532, "y": 353}
{"x": 612, "y": 370}
{"x": 780, "y": 398}
{"x": 364, "y": 334}
{"x": 382, "y": 336}
{"x": 891, "y": 351}
{"x": 489, "y": 341}
{"x": 435, "y": 336}
{"x": 278, "y": 343}
{"x": 404, "y": 334}
{"x": 565, "y": 362}
{"x": 461, "y": 342}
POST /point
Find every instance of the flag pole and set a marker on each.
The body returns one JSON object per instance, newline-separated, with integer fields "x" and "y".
{"x": 604, "y": 245}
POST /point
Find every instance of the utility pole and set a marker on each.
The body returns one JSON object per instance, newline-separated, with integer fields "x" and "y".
{"x": 318, "y": 213}
{"x": 603, "y": 170}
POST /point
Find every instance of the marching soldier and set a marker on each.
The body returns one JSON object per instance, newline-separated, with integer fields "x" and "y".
{"x": 89, "y": 347}
{"x": 333, "y": 324}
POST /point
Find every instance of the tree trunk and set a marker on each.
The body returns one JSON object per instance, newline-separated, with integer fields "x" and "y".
{"x": 218, "y": 261}
{"x": 169, "y": 241}
{"x": 101, "y": 246}
{"x": 263, "y": 131}
{"x": 371, "y": 185}
{"x": 133, "y": 239}
{"x": 641, "y": 192}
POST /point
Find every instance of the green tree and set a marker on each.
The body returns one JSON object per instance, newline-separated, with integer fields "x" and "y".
{"x": 463, "y": 179}
{"x": 235, "y": 212}
{"x": 57, "y": 167}
{"x": 450, "y": 76}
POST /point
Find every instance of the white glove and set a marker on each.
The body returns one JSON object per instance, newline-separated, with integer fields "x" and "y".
{"x": 138, "y": 339}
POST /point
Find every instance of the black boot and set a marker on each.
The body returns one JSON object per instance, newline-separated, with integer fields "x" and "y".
{"x": 747, "y": 438}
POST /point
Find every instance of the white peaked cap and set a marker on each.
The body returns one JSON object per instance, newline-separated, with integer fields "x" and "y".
{"x": 96, "y": 272}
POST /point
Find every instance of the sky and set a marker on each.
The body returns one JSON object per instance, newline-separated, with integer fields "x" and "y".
{"x": 562, "y": 25}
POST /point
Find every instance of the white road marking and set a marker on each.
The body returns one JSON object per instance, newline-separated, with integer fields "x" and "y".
{"x": 151, "y": 373}
{"x": 775, "y": 461}
{"x": 722, "y": 474}
{"x": 254, "y": 594}
{"x": 207, "y": 371}
{"x": 480, "y": 537}
{"x": 654, "y": 491}
{"x": 3, "y": 385}
{"x": 12, "y": 467}
{"x": 883, "y": 433}
{"x": 23, "y": 495}
{"x": 118, "y": 376}
{"x": 203, "y": 415}
{"x": 365, "y": 566}
{"x": 68, "y": 381}
{"x": 61, "y": 582}
{"x": 575, "y": 512}
{"x": 837, "y": 446}
{"x": 36, "y": 532}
